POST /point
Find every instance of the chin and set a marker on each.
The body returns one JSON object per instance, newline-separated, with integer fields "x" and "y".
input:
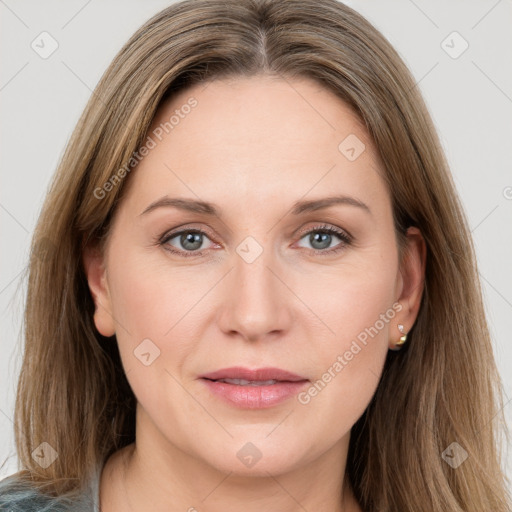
{"x": 256, "y": 458}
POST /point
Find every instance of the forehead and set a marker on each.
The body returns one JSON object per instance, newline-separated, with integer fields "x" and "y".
{"x": 243, "y": 113}
{"x": 256, "y": 138}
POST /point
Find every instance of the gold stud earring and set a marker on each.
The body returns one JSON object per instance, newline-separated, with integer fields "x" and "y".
{"x": 403, "y": 338}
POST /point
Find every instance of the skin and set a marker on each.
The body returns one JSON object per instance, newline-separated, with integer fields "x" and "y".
{"x": 253, "y": 146}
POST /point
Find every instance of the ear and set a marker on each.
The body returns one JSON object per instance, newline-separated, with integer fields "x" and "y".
{"x": 96, "y": 272}
{"x": 411, "y": 280}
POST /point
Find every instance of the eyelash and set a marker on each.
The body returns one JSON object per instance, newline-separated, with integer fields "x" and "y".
{"x": 345, "y": 238}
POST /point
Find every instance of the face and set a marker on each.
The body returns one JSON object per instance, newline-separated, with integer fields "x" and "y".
{"x": 267, "y": 275}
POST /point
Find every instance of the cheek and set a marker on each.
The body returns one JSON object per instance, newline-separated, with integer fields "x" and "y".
{"x": 359, "y": 306}
{"x": 150, "y": 304}
{"x": 149, "y": 298}
{"x": 360, "y": 312}
{"x": 355, "y": 298}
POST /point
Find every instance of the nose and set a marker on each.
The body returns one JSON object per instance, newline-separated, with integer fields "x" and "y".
{"x": 256, "y": 302}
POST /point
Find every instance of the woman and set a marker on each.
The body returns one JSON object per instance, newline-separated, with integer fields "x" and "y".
{"x": 258, "y": 287}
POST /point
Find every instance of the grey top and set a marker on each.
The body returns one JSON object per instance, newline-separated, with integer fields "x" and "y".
{"x": 94, "y": 491}
{"x": 18, "y": 497}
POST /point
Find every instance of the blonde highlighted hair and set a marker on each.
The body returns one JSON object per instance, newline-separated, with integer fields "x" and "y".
{"x": 442, "y": 387}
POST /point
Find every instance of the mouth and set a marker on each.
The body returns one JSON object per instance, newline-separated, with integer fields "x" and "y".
{"x": 239, "y": 375}
{"x": 253, "y": 389}
{"x": 243, "y": 382}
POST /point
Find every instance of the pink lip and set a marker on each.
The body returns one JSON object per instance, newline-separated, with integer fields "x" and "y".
{"x": 254, "y": 397}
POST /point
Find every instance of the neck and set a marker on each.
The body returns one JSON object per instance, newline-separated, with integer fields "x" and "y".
{"x": 153, "y": 474}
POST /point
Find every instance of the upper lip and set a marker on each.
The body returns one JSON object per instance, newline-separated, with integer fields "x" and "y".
{"x": 239, "y": 372}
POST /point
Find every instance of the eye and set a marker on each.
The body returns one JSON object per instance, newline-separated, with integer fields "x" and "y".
{"x": 187, "y": 241}
{"x": 321, "y": 237}
{"x": 191, "y": 242}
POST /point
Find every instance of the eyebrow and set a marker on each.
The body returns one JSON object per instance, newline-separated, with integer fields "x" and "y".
{"x": 193, "y": 205}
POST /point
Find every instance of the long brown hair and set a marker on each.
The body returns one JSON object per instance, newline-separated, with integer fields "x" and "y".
{"x": 443, "y": 387}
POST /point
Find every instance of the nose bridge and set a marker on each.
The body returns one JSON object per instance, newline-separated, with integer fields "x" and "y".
{"x": 253, "y": 276}
{"x": 256, "y": 304}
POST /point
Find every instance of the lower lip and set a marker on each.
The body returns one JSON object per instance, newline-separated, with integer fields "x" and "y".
{"x": 255, "y": 397}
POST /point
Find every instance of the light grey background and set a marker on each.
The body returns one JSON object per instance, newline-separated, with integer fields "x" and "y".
{"x": 470, "y": 98}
